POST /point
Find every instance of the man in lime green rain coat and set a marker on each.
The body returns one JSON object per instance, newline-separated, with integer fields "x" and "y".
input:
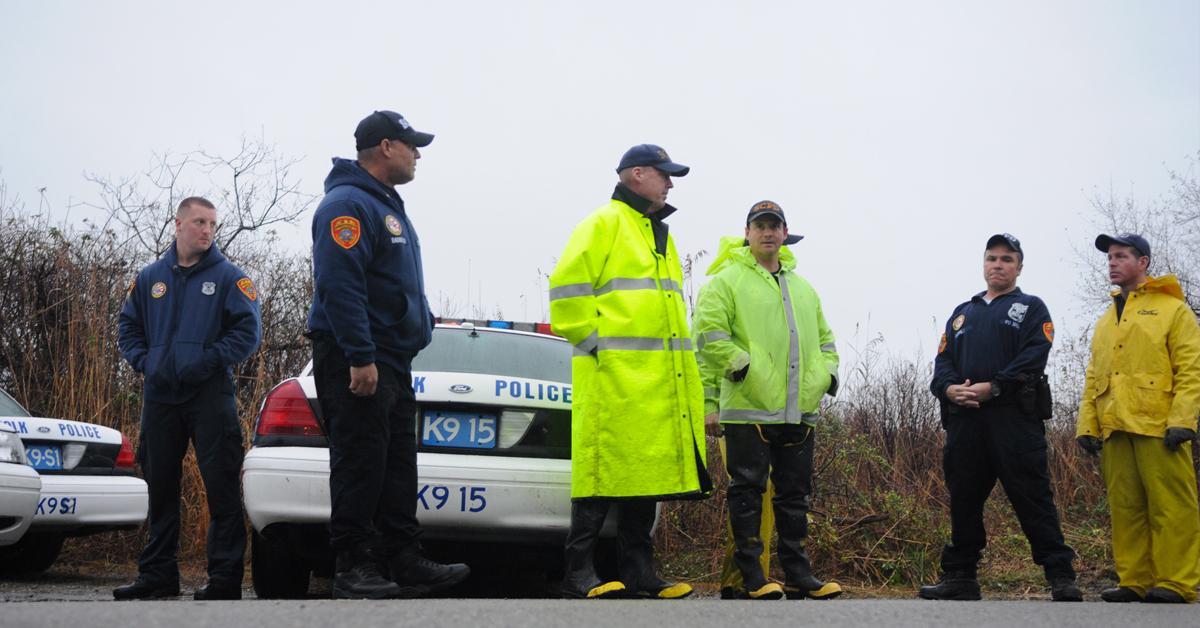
{"x": 1138, "y": 413}
{"x": 767, "y": 357}
{"x": 637, "y": 423}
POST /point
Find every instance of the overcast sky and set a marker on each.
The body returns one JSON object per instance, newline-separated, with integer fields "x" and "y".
{"x": 897, "y": 136}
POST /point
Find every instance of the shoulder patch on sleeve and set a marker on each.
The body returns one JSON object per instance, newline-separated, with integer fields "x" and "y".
{"x": 247, "y": 287}
{"x": 346, "y": 230}
{"x": 942, "y": 344}
{"x": 1048, "y": 329}
{"x": 132, "y": 287}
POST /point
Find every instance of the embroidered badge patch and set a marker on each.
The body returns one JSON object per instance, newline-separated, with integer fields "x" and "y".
{"x": 132, "y": 285}
{"x": 1048, "y": 329}
{"x": 247, "y": 287}
{"x": 158, "y": 289}
{"x": 346, "y": 231}
{"x": 393, "y": 225}
{"x": 958, "y": 322}
{"x": 209, "y": 288}
{"x": 1017, "y": 312}
{"x": 942, "y": 344}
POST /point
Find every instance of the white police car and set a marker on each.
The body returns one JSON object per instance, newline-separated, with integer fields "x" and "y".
{"x": 493, "y": 459}
{"x": 87, "y": 484}
{"x": 19, "y": 489}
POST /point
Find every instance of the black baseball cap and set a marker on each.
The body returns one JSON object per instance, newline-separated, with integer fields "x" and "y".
{"x": 388, "y": 125}
{"x": 1007, "y": 239}
{"x": 771, "y": 208}
{"x": 1103, "y": 241}
{"x": 651, "y": 155}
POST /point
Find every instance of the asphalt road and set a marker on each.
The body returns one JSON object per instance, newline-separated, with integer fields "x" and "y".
{"x": 460, "y": 613}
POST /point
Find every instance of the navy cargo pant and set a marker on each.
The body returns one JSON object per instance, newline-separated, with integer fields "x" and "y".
{"x": 1000, "y": 442}
{"x": 209, "y": 420}
{"x": 372, "y": 454}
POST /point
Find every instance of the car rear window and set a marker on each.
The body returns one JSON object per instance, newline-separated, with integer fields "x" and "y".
{"x": 9, "y": 406}
{"x": 496, "y": 353}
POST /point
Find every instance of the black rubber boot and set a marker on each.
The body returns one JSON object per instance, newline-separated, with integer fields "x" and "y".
{"x": 952, "y": 586}
{"x": 580, "y": 580}
{"x": 745, "y": 522}
{"x": 358, "y": 577}
{"x": 418, "y": 576}
{"x": 1159, "y": 595}
{"x": 635, "y": 549}
{"x": 1120, "y": 595}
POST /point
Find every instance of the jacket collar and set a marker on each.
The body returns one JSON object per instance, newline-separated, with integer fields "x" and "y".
{"x": 1014, "y": 292}
{"x": 1166, "y": 284}
{"x": 211, "y": 257}
{"x": 640, "y": 204}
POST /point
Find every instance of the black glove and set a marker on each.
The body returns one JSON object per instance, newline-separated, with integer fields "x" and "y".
{"x": 833, "y": 386}
{"x": 739, "y": 375}
{"x": 1177, "y": 436}
{"x": 1091, "y": 444}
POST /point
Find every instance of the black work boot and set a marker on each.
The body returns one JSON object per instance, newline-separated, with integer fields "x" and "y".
{"x": 358, "y": 577}
{"x": 635, "y": 548}
{"x": 955, "y": 585}
{"x": 1064, "y": 589}
{"x": 1159, "y": 595}
{"x": 217, "y": 590}
{"x": 1120, "y": 595}
{"x": 146, "y": 589}
{"x": 580, "y": 580}
{"x": 419, "y": 576}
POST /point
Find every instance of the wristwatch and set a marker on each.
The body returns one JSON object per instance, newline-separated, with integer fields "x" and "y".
{"x": 995, "y": 389}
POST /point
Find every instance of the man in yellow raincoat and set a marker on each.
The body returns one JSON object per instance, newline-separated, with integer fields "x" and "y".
{"x": 768, "y": 357}
{"x": 637, "y": 417}
{"x": 1138, "y": 413}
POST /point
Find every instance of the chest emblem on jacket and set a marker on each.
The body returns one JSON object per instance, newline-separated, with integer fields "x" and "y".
{"x": 158, "y": 289}
{"x": 346, "y": 231}
{"x": 1017, "y": 312}
{"x": 393, "y": 225}
{"x": 247, "y": 287}
{"x": 209, "y": 288}
{"x": 958, "y": 322}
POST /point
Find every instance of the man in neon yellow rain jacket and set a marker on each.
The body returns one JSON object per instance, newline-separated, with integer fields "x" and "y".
{"x": 1139, "y": 406}
{"x": 767, "y": 358}
{"x": 637, "y": 423}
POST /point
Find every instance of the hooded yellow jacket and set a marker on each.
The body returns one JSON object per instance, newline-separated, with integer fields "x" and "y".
{"x": 1144, "y": 373}
{"x": 637, "y": 423}
{"x": 744, "y": 316}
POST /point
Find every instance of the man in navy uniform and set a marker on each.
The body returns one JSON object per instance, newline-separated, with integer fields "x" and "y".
{"x": 188, "y": 318}
{"x": 989, "y": 378}
{"x": 369, "y": 318}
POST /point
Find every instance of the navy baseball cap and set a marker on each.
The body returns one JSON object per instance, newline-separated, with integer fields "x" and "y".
{"x": 1103, "y": 241}
{"x": 1007, "y": 239}
{"x": 771, "y": 208}
{"x": 651, "y": 155}
{"x": 387, "y": 125}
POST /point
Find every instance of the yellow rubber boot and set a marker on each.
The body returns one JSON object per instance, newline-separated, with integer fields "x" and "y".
{"x": 769, "y": 591}
{"x": 609, "y": 590}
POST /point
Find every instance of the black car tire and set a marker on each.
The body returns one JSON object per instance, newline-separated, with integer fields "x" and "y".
{"x": 277, "y": 571}
{"x": 33, "y": 554}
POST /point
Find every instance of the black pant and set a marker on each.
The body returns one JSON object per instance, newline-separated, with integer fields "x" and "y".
{"x": 786, "y": 453}
{"x": 372, "y": 454}
{"x": 991, "y": 443}
{"x": 209, "y": 420}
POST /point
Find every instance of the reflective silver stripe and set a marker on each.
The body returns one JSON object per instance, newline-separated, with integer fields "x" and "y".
{"x": 571, "y": 290}
{"x": 791, "y": 410}
{"x": 713, "y": 336}
{"x": 621, "y": 283}
{"x": 829, "y": 347}
{"x": 669, "y": 284}
{"x": 586, "y": 345}
{"x": 762, "y": 416}
{"x": 630, "y": 343}
{"x": 680, "y": 344}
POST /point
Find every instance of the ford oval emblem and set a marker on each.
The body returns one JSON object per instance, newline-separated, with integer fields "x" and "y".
{"x": 460, "y": 389}
{"x": 43, "y": 429}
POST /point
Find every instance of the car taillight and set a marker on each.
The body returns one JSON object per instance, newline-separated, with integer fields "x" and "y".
{"x": 125, "y": 456}
{"x": 286, "y": 413}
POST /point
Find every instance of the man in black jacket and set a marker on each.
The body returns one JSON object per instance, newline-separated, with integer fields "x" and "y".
{"x": 369, "y": 318}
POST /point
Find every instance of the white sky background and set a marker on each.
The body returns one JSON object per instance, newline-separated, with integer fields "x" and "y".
{"x": 896, "y": 135}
